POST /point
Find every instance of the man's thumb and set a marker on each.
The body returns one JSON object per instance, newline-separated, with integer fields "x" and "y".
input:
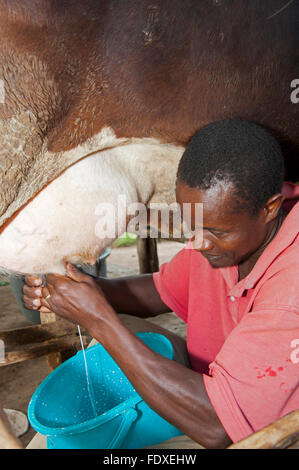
{"x": 74, "y": 273}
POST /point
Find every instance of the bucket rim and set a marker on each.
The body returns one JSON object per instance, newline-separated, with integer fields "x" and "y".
{"x": 87, "y": 425}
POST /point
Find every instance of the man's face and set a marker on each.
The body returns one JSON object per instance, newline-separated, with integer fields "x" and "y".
{"x": 228, "y": 237}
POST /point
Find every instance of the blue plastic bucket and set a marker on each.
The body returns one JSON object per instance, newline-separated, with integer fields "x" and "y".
{"x": 60, "y": 408}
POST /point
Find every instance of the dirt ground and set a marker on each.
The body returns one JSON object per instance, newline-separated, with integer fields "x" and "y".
{"x": 19, "y": 381}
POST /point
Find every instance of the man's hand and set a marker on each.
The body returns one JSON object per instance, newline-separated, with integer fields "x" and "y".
{"x": 76, "y": 297}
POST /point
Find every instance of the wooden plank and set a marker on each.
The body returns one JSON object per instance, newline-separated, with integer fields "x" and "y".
{"x": 55, "y": 358}
{"x": 58, "y": 340}
{"x": 68, "y": 344}
{"x": 37, "y": 333}
{"x": 295, "y": 445}
{"x": 281, "y": 434}
{"x": 47, "y": 317}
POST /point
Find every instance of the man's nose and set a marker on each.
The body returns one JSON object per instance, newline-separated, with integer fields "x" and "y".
{"x": 202, "y": 243}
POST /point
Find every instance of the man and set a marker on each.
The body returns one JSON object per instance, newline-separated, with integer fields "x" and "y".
{"x": 237, "y": 289}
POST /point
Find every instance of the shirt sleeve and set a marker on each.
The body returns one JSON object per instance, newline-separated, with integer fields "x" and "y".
{"x": 172, "y": 282}
{"x": 253, "y": 380}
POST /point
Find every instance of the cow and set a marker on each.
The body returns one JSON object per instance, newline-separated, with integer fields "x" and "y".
{"x": 100, "y": 98}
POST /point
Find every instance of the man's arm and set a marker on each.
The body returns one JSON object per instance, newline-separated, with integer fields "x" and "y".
{"x": 134, "y": 295}
{"x": 175, "y": 392}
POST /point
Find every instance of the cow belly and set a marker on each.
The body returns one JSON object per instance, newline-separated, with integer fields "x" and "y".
{"x": 61, "y": 222}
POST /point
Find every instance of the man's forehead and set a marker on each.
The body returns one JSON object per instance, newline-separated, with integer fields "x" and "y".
{"x": 220, "y": 204}
{"x": 219, "y": 194}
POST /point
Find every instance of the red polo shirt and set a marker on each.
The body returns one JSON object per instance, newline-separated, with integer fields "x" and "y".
{"x": 243, "y": 336}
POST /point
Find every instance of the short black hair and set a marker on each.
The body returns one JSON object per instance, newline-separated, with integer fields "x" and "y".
{"x": 236, "y": 151}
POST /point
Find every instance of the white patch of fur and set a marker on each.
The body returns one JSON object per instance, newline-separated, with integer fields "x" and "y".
{"x": 60, "y": 221}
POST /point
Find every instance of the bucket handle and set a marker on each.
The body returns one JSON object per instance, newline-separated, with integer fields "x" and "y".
{"x": 128, "y": 418}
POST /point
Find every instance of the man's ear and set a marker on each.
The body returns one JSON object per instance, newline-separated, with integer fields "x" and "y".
{"x": 272, "y": 206}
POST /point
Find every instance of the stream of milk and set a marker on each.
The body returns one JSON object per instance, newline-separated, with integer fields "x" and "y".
{"x": 89, "y": 384}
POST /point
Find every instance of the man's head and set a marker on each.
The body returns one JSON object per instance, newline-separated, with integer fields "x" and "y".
{"x": 235, "y": 168}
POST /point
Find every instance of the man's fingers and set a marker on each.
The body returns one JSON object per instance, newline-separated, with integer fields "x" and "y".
{"x": 31, "y": 304}
{"x": 31, "y": 298}
{"x": 45, "y": 310}
{"x": 45, "y": 292}
{"x": 56, "y": 280}
{"x": 32, "y": 292}
{"x": 44, "y": 303}
{"x": 33, "y": 281}
{"x": 52, "y": 278}
{"x": 75, "y": 274}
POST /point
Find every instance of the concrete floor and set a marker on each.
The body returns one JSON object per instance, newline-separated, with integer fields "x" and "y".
{"x": 19, "y": 381}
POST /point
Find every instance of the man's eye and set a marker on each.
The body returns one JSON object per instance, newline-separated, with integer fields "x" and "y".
{"x": 218, "y": 234}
